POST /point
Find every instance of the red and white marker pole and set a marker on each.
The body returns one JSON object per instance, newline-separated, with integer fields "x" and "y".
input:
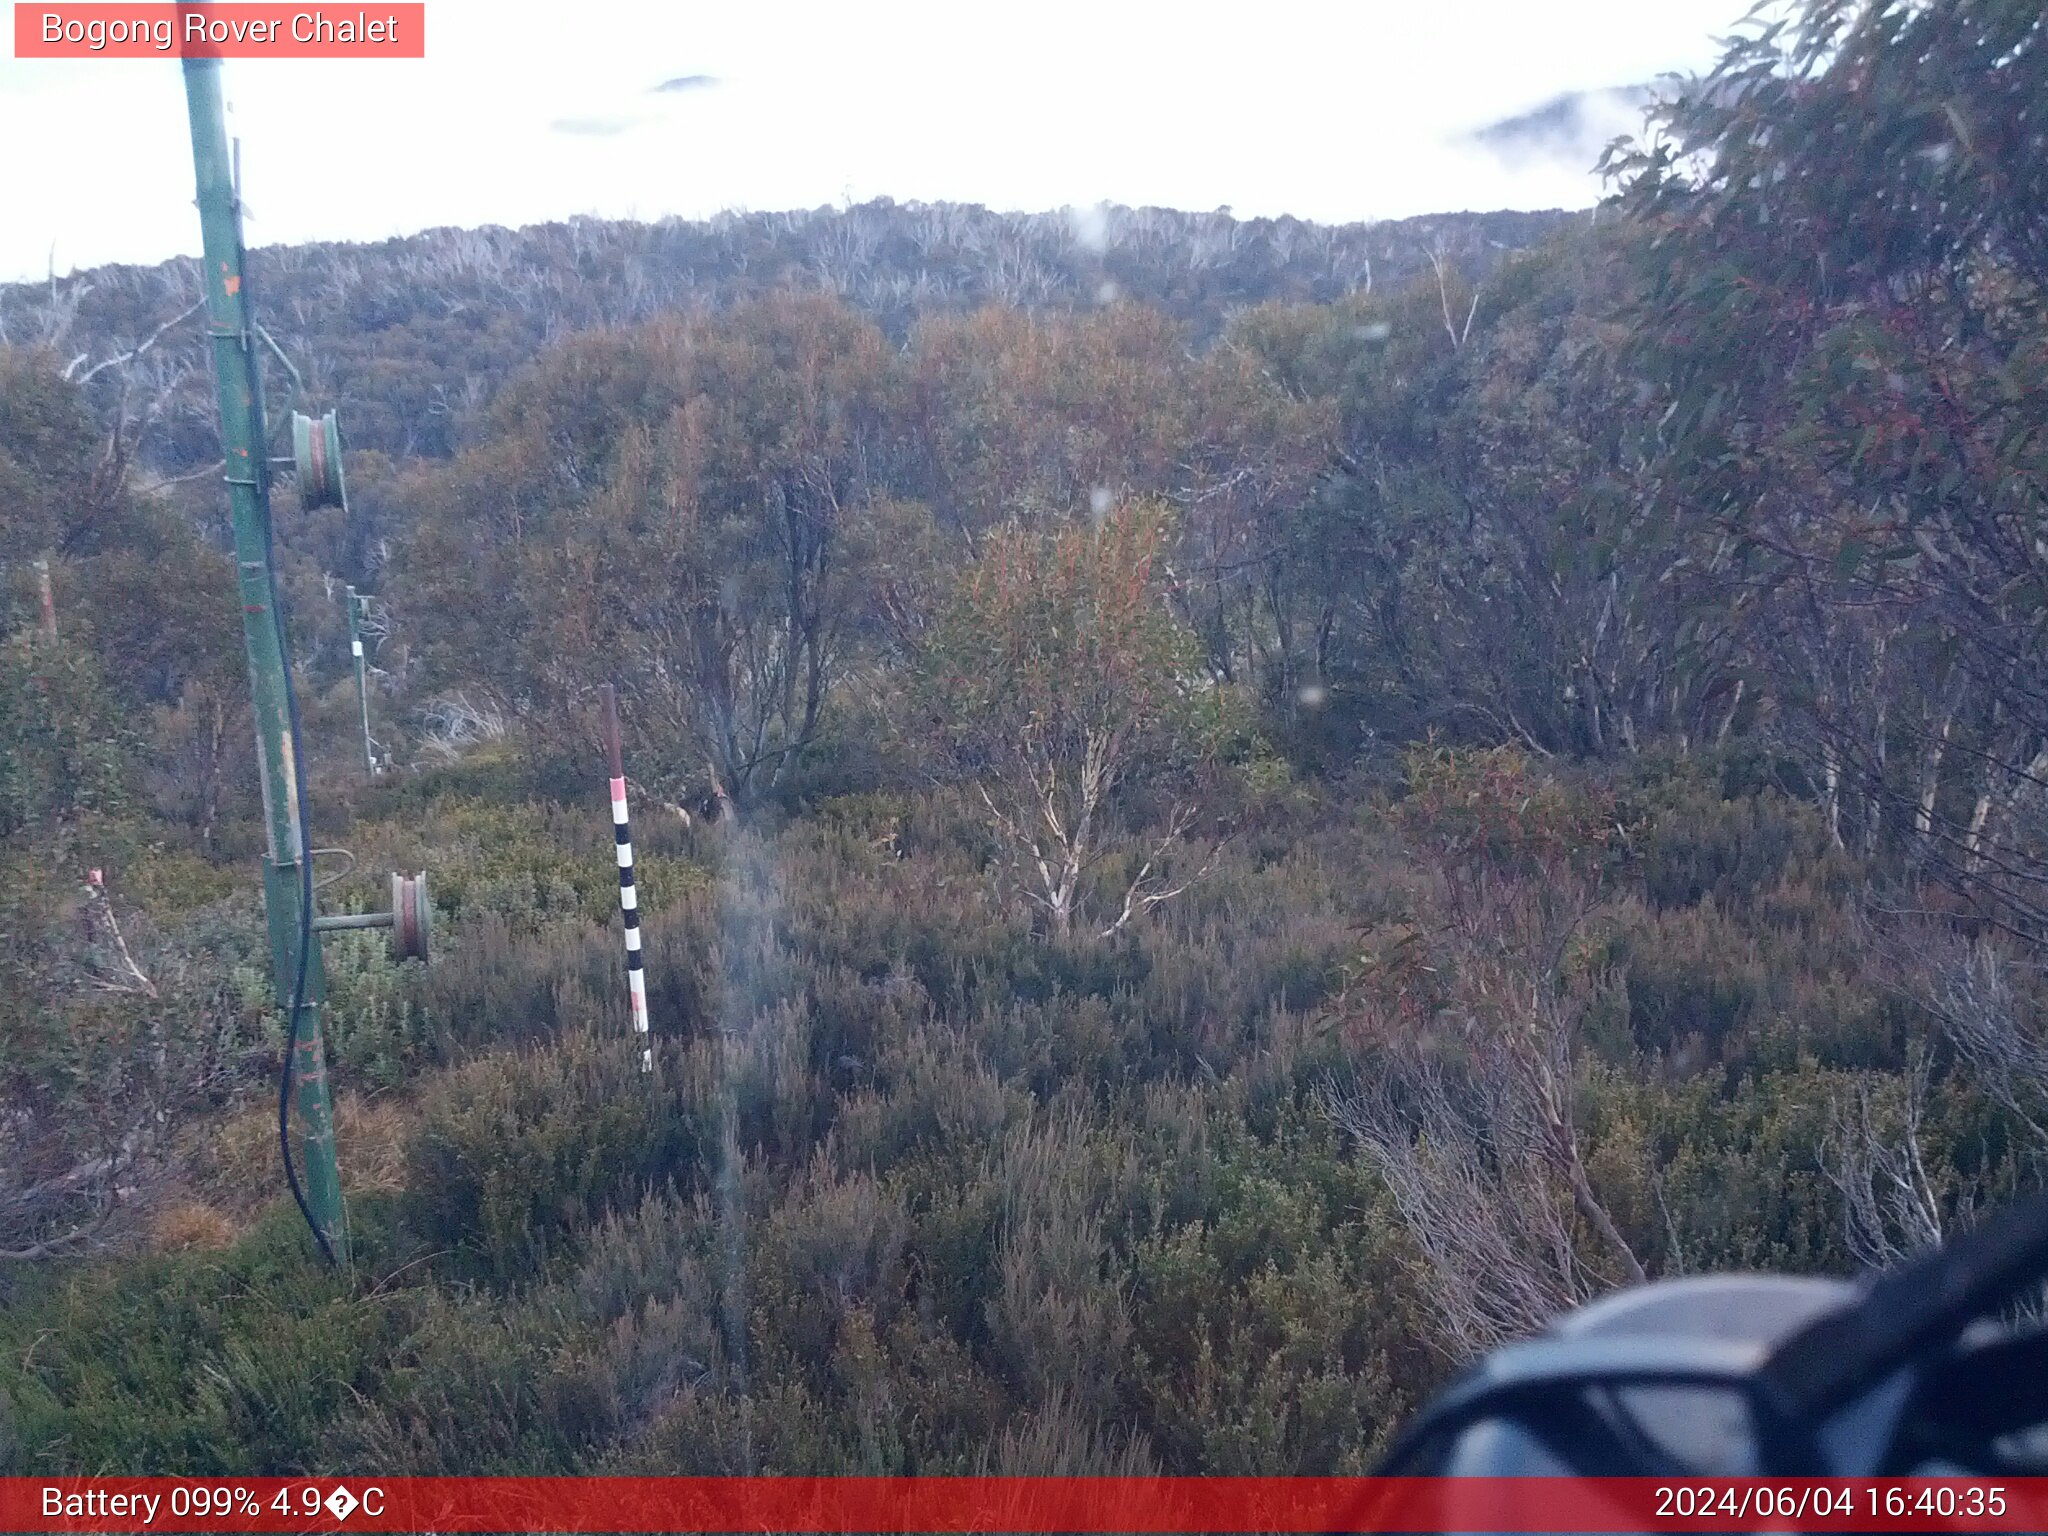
{"x": 629, "y": 902}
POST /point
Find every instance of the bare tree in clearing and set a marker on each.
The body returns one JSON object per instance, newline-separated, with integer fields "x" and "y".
{"x": 1054, "y": 679}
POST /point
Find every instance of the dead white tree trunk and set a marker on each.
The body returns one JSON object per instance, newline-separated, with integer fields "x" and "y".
{"x": 1890, "y": 1207}
{"x": 1457, "y": 333}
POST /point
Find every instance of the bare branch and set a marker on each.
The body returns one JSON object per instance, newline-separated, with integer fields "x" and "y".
{"x": 1471, "y": 1123}
{"x": 134, "y": 980}
{"x": 1139, "y": 897}
{"x": 131, "y": 354}
{"x": 1890, "y": 1208}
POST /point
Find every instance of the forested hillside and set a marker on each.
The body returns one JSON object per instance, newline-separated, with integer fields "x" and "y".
{"x": 409, "y": 337}
{"x": 1228, "y": 815}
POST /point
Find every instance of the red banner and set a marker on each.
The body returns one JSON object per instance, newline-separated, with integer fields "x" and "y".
{"x": 381, "y": 30}
{"x": 1021, "y": 1504}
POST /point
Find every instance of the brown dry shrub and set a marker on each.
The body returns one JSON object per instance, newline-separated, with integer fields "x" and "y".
{"x": 190, "y": 1224}
{"x": 372, "y": 1135}
{"x": 235, "y": 1168}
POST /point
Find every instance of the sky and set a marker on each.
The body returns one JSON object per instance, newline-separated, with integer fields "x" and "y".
{"x": 525, "y": 111}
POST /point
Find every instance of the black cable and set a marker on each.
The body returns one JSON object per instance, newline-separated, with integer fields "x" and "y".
{"x": 288, "y": 1073}
{"x": 305, "y": 852}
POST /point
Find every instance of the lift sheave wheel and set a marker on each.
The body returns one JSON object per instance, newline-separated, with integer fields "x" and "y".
{"x": 316, "y": 448}
{"x": 411, "y": 917}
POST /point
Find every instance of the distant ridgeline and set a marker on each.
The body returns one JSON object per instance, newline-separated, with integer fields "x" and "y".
{"x": 409, "y": 336}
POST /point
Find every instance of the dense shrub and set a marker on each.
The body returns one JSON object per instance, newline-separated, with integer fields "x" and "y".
{"x": 517, "y": 1154}
{"x": 912, "y": 1191}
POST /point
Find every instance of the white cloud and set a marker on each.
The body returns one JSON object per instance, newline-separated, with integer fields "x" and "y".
{"x": 526, "y": 111}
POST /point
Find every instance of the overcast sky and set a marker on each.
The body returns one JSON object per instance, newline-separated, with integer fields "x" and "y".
{"x": 525, "y": 111}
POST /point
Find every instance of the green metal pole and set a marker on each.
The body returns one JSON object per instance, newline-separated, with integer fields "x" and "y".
{"x": 243, "y": 437}
{"x": 355, "y": 646}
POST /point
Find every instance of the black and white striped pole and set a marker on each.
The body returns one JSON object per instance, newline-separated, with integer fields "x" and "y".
{"x": 629, "y": 902}
{"x": 357, "y": 605}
